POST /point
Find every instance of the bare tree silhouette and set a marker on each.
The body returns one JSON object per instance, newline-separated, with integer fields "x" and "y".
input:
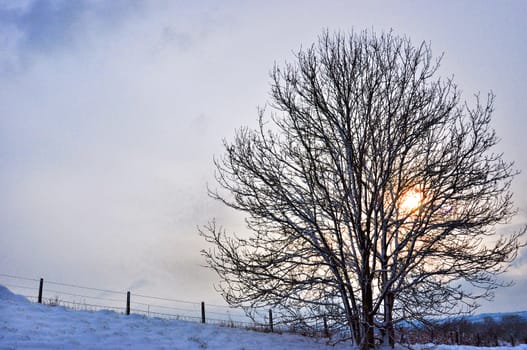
{"x": 370, "y": 192}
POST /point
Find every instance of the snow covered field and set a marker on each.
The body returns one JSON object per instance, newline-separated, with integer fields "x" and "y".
{"x": 26, "y": 325}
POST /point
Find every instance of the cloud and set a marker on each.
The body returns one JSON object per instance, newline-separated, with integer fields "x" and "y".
{"x": 518, "y": 268}
{"x": 111, "y": 112}
{"x": 11, "y": 38}
{"x": 106, "y": 147}
{"x": 16, "y": 6}
{"x": 44, "y": 27}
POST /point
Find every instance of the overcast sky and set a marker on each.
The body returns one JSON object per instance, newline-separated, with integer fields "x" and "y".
{"x": 111, "y": 113}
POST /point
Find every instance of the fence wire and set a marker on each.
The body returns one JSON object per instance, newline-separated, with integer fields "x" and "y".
{"x": 78, "y": 297}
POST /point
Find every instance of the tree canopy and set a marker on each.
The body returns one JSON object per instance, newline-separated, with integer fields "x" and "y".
{"x": 371, "y": 191}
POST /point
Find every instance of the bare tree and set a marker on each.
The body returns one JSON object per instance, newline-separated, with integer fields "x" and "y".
{"x": 371, "y": 192}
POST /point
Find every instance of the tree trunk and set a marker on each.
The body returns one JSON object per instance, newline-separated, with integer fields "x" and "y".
{"x": 368, "y": 341}
{"x": 356, "y": 329}
{"x": 389, "y": 331}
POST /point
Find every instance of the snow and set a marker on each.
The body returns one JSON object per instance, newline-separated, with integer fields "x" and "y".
{"x": 26, "y": 325}
{"x": 466, "y": 347}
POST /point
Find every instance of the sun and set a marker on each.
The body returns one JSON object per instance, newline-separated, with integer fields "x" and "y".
{"x": 411, "y": 200}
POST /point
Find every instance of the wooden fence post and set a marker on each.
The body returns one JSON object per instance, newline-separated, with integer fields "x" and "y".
{"x": 40, "y": 290}
{"x": 326, "y": 329}
{"x": 128, "y": 303}
{"x": 202, "y": 312}
{"x": 271, "y": 320}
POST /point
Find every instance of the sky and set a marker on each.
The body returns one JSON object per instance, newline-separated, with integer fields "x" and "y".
{"x": 111, "y": 113}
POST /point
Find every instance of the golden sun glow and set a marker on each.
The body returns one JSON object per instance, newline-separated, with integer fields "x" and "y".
{"x": 411, "y": 200}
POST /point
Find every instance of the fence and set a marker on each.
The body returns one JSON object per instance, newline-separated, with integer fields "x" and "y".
{"x": 78, "y": 297}
{"x": 509, "y": 331}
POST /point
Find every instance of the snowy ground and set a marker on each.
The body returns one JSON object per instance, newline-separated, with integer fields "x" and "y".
{"x": 25, "y": 325}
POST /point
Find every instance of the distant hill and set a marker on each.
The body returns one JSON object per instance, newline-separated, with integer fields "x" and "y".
{"x": 478, "y": 318}
{"x": 498, "y": 316}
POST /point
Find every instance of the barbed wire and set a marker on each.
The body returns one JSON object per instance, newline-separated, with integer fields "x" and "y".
{"x": 101, "y": 307}
{"x": 166, "y": 307}
{"x": 115, "y": 292}
{"x": 19, "y": 277}
{"x": 87, "y": 288}
{"x": 61, "y": 293}
{"x": 82, "y": 296}
{"x": 20, "y": 287}
{"x": 180, "y": 301}
{"x": 166, "y": 299}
